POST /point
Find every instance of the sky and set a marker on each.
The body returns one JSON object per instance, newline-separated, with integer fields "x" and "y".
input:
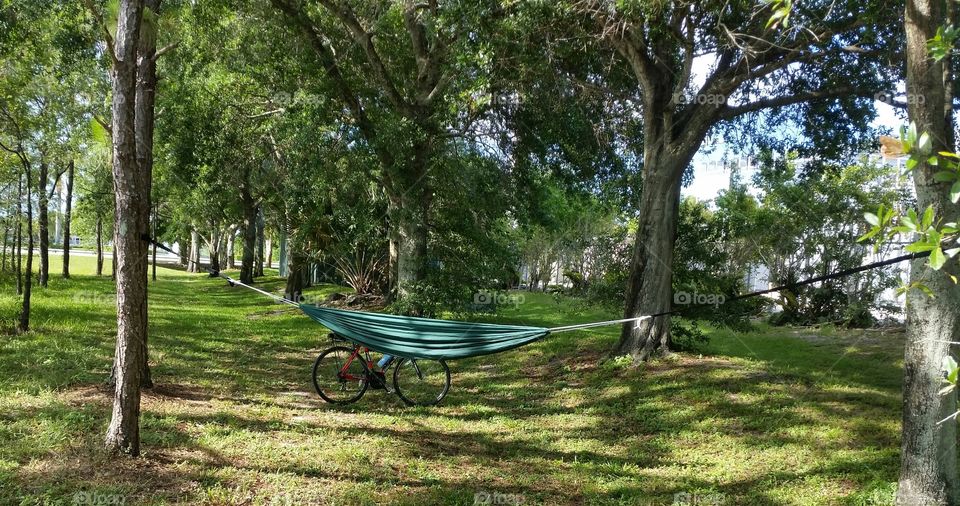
{"x": 710, "y": 175}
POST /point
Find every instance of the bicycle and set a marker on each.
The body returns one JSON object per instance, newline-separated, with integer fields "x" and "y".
{"x": 342, "y": 374}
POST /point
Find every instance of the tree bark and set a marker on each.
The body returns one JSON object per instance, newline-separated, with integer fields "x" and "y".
{"x": 43, "y": 223}
{"x": 18, "y": 239}
{"x": 183, "y": 250}
{"x": 6, "y": 240}
{"x": 24, "y": 323}
{"x": 99, "y": 232}
{"x": 258, "y": 256}
{"x": 153, "y": 253}
{"x": 269, "y": 256}
{"x": 130, "y": 191}
{"x": 231, "y": 260}
{"x": 296, "y": 270}
{"x": 66, "y": 221}
{"x": 928, "y": 469}
{"x": 412, "y": 193}
{"x": 249, "y": 206}
{"x": 214, "y": 249}
{"x": 651, "y": 268}
{"x": 194, "y": 263}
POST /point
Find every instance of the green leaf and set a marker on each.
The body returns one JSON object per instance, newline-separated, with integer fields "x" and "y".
{"x": 927, "y": 219}
{"x": 937, "y": 259}
{"x": 955, "y": 192}
{"x": 924, "y": 145}
{"x": 945, "y": 176}
{"x": 872, "y": 219}
{"x": 873, "y": 231}
{"x": 919, "y": 247}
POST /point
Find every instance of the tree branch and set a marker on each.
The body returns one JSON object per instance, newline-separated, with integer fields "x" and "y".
{"x": 365, "y": 39}
{"x": 730, "y": 112}
{"x": 98, "y": 19}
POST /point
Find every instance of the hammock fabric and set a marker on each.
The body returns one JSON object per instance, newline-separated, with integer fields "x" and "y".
{"x": 423, "y": 338}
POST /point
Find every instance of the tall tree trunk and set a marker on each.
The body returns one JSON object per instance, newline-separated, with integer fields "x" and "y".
{"x": 153, "y": 253}
{"x": 194, "y": 264}
{"x": 24, "y": 324}
{"x": 649, "y": 284}
{"x": 296, "y": 270}
{"x": 18, "y": 239}
{"x": 928, "y": 465}
{"x": 99, "y": 232}
{"x": 43, "y": 222}
{"x": 183, "y": 249}
{"x": 145, "y": 103}
{"x": 231, "y": 260}
{"x": 249, "y": 206}
{"x": 214, "y": 249}
{"x": 258, "y": 257}
{"x": 130, "y": 191}
{"x": 411, "y": 190}
{"x": 66, "y": 221}
{"x": 6, "y": 240}
{"x": 269, "y": 255}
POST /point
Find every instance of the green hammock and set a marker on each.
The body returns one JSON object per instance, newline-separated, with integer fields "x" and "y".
{"x": 425, "y": 338}
{"x": 409, "y": 337}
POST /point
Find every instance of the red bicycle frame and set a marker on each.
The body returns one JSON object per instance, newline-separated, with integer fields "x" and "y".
{"x": 368, "y": 364}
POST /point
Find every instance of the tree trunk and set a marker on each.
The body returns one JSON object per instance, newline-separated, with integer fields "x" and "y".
{"x": 183, "y": 250}
{"x": 18, "y": 237}
{"x": 249, "y": 206}
{"x": 649, "y": 284}
{"x": 258, "y": 256}
{"x": 194, "y": 264}
{"x": 296, "y": 271}
{"x": 231, "y": 261}
{"x": 43, "y": 222}
{"x": 99, "y": 232}
{"x": 269, "y": 256}
{"x": 130, "y": 191}
{"x": 66, "y": 221}
{"x": 214, "y": 250}
{"x": 6, "y": 240}
{"x": 928, "y": 462}
{"x": 24, "y": 324}
{"x": 411, "y": 191}
{"x": 153, "y": 254}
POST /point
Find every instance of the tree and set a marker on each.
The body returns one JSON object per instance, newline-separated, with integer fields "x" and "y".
{"x": 66, "y": 220}
{"x": 928, "y": 465}
{"x": 130, "y": 188}
{"x": 754, "y": 69}
{"x": 397, "y": 68}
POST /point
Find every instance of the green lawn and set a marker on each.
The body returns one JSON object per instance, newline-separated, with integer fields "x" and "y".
{"x": 770, "y": 417}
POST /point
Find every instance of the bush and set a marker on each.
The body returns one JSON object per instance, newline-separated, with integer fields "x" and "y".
{"x": 686, "y": 335}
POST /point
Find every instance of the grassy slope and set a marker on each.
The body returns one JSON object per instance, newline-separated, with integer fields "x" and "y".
{"x": 768, "y": 418}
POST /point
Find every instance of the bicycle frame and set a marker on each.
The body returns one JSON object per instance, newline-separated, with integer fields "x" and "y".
{"x": 361, "y": 353}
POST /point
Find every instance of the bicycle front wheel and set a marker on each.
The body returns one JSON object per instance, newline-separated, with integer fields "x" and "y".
{"x": 421, "y": 382}
{"x": 339, "y": 376}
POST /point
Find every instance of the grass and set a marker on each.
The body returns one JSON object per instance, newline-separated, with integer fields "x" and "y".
{"x": 774, "y": 416}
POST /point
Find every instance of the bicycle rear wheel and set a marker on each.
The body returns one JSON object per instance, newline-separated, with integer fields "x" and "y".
{"x": 338, "y": 376}
{"x": 421, "y": 382}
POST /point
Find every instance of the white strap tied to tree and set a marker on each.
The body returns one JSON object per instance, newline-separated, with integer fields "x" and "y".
{"x": 567, "y": 328}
